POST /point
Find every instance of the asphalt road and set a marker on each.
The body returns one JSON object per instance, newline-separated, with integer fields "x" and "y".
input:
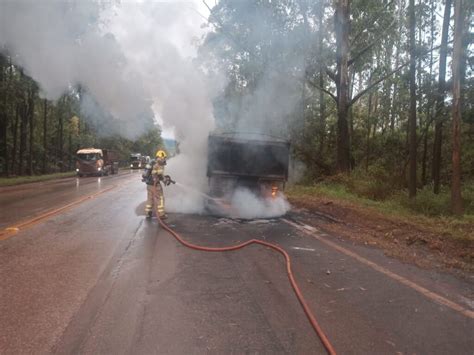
{"x": 100, "y": 278}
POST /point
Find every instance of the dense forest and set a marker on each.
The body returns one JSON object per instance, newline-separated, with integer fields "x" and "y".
{"x": 379, "y": 89}
{"x": 39, "y": 136}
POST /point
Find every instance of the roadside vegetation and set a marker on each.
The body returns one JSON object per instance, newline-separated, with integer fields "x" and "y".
{"x": 429, "y": 210}
{"x": 423, "y": 230}
{"x": 40, "y": 136}
{"x": 374, "y": 96}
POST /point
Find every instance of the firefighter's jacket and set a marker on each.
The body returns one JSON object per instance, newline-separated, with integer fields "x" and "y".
{"x": 153, "y": 172}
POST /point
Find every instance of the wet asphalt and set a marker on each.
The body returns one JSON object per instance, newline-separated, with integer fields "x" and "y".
{"x": 100, "y": 278}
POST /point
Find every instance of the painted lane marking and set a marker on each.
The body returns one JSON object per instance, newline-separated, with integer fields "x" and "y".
{"x": 425, "y": 292}
{"x": 305, "y": 249}
{"x": 15, "y": 229}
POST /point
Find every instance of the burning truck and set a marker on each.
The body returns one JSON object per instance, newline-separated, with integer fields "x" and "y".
{"x": 254, "y": 163}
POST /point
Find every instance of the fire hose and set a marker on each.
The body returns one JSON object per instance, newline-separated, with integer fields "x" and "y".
{"x": 309, "y": 314}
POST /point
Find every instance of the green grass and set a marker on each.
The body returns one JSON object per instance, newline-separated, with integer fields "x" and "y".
{"x": 427, "y": 210}
{"x": 35, "y": 178}
{"x": 339, "y": 192}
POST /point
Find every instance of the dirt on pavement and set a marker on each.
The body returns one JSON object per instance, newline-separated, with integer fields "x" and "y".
{"x": 427, "y": 247}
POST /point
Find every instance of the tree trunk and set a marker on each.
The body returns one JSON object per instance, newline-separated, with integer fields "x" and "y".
{"x": 342, "y": 23}
{"x": 439, "y": 111}
{"x": 395, "y": 105}
{"x": 322, "y": 113}
{"x": 23, "y": 135}
{"x": 3, "y": 117}
{"x": 369, "y": 120}
{"x": 15, "y": 139}
{"x": 60, "y": 146}
{"x": 412, "y": 116}
{"x": 45, "y": 135}
{"x": 70, "y": 151}
{"x": 456, "y": 198}
{"x": 419, "y": 84}
{"x": 386, "y": 98}
{"x": 31, "y": 115}
{"x": 350, "y": 116}
{"x": 430, "y": 99}
{"x": 322, "y": 102}
{"x": 425, "y": 155}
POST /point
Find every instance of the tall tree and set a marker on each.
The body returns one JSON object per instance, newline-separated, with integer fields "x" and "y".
{"x": 342, "y": 23}
{"x": 14, "y": 128}
{"x": 322, "y": 100}
{"x": 3, "y": 116}
{"x": 412, "y": 116}
{"x": 31, "y": 122}
{"x": 439, "y": 110}
{"x": 456, "y": 198}
{"x": 45, "y": 135}
{"x": 23, "y": 111}
{"x": 430, "y": 99}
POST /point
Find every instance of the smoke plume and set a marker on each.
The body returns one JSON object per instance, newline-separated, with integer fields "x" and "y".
{"x": 135, "y": 63}
{"x": 63, "y": 45}
{"x": 247, "y": 205}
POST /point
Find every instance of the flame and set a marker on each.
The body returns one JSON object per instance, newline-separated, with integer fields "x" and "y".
{"x": 274, "y": 191}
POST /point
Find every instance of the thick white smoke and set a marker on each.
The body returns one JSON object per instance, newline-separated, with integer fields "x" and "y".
{"x": 135, "y": 61}
{"x": 63, "y": 44}
{"x": 158, "y": 38}
{"x": 248, "y": 206}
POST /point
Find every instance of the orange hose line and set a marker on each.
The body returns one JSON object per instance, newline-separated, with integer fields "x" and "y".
{"x": 309, "y": 314}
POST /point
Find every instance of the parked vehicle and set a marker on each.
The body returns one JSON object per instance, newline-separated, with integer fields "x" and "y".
{"x": 94, "y": 161}
{"x": 255, "y": 162}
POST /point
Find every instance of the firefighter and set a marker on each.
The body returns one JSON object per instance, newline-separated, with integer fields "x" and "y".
{"x": 152, "y": 176}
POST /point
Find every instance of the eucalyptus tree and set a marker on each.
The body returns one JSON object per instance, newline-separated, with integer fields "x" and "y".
{"x": 412, "y": 114}
{"x": 456, "y": 198}
{"x": 440, "y": 113}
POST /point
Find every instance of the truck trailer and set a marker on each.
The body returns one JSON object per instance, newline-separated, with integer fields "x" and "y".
{"x": 137, "y": 161}
{"x": 94, "y": 161}
{"x": 255, "y": 162}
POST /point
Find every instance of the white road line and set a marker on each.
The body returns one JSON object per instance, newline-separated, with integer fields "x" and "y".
{"x": 425, "y": 292}
{"x": 305, "y": 249}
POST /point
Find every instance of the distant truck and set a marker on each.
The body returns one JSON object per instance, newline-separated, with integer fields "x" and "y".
{"x": 254, "y": 162}
{"x": 137, "y": 161}
{"x": 93, "y": 161}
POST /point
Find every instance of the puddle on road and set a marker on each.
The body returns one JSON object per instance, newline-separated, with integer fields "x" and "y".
{"x": 231, "y": 221}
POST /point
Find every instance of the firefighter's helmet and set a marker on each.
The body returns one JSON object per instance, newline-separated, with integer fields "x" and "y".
{"x": 161, "y": 154}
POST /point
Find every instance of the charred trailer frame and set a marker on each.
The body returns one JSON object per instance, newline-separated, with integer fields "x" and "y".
{"x": 237, "y": 161}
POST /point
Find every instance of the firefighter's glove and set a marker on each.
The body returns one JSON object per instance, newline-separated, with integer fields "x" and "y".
{"x": 167, "y": 180}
